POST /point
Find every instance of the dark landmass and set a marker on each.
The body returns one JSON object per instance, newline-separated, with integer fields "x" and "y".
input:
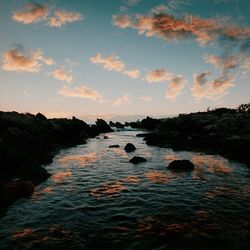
{"x": 222, "y": 131}
{"x": 29, "y": 141}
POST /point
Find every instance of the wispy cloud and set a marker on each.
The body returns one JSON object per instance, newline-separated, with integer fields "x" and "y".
{"x": 114, "y": 63}
{"x": 21, "y": 60}
{"x": 159, "y": 75}
{"x": 121, "y": 100}
{"x": 62, "y": 17}
{"x": 175, "y": 87}
{"x": 170, "y": 28}
{"x": 111, "y": 62}
{"x": 146, "y": 98}
{"x": 34, "y": 12}
{"x": 200, "y": 84}
{"x": 134, "y": 73}
{"x": 128, "y": 3}
{"x": 81, "y": 92}
{"x": 62, "y": 75}
{"x": 213, "y": 89}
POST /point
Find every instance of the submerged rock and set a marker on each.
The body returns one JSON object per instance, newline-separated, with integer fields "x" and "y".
{"x": 181, "y": 165}
{"x": 129, "y": 147}
{"x": 137, "y": 160}
{"x": 114, "y": 146}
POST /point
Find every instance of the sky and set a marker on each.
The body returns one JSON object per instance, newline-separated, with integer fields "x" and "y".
{"x": 111, "y": 58}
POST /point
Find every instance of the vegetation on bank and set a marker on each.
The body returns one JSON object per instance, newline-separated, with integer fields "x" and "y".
{"x": 29, "y": 141}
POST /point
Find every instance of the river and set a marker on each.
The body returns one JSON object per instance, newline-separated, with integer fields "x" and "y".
{"x": 96, "y": 199}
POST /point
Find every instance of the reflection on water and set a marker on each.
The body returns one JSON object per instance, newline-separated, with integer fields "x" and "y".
{"x": 61, "y": 176}
{"x": 27, "y": 232}
{"x": 213, "y": 164}
{"x": 171, "y": 157}
{"x": 80, "y": 160}
{"x": 96, "y": 199}
{"x": 108, "y": 189}
{"x": 159, "y": 176}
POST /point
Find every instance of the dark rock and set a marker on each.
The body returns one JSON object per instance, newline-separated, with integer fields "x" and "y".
{"x": 137, "y": 160}
{"x": 129, "y": 147}
{"x": 181, "y": 165}
{"x": 102, "y": 126}
{"x": 119, "y": 125}
{"x": 105, "y": 137}
{"x": 114, "y": 146}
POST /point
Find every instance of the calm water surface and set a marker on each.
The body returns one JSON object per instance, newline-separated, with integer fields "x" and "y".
{"x": 95, "y": 199}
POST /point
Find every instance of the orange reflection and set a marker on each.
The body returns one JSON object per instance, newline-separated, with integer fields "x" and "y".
{"x": 48, "y": 190}
{"x": 108, "y": 189}
{"x": 82, "y": 160}
{"x": 27, "y": 232}
{"x": 171, "y": 157}
{"x": 61, "y": 176}
{"x": 120, "y": 152}
{"x": 159, "y": 177}
{"x": 214, "y": 164}
{"x": 131, "y": 179}
{"x": 220, "y": 191}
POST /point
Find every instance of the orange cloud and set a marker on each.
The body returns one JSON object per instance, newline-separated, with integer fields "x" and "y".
{"x": 200, "y": 81}
{"x": 159, "y": 75}
{"x": 62, "y": 17}
{"x": 134, "y": 73}
{"x": 33, "y": 13}
{"x": 61, "y": 75}
{"x": 81, "y": 92}
{"x": 121, "y": 100}
{"x": 216, "y": 88}
{"x": 224, "y": 62}
{"x": 170, "y": 28}
{"x": 20, "y": 60}
{"x": 175, "y": 87}
{"x": 109, "y": 63}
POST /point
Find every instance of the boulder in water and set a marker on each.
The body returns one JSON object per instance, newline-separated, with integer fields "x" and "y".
{"x": 114, "y": 146}
{"x": 130, "y": 147}
{"x": 181, "y": 165}
{"x": 105, "y": 137}
{"x": 137, "y": 160}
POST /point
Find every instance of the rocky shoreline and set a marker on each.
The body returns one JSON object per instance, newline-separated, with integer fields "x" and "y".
{"x": 220, "y": 131}
{"x": 27, "y": 142}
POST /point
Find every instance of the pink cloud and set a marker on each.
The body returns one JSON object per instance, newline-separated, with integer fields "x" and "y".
{"x": 62, "y": 75}
{"x": 109, "y": 63}
{"x": 33, "y": 13}
{"x": 24, "y": 61}
{"x": 62, "y": 17}
{"x": 134, "y": 73}
{"x": 121, "y": 100}
{"x": 159, "y": 75}
{"x": 175, "y": 87}
{"x": 81, "y": 92}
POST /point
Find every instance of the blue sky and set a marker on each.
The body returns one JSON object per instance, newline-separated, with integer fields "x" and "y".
{"x": 111, "y": 57}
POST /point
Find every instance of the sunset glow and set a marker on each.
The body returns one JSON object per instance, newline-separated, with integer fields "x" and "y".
{"x": 109, "y": 58}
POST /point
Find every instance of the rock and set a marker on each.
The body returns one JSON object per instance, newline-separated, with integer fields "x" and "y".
{"x": 105, "y": 137}
{"x": 114, "y": 146}
{"x": 119, "y": 125}
{"x": 102, "y": 126}
{"x": 137, "y": 160}
{"x": 181, "y": 165}
{"x": 129, "y": 147}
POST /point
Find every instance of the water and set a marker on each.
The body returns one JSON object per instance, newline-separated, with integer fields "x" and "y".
{"x": 95, "y": 199}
